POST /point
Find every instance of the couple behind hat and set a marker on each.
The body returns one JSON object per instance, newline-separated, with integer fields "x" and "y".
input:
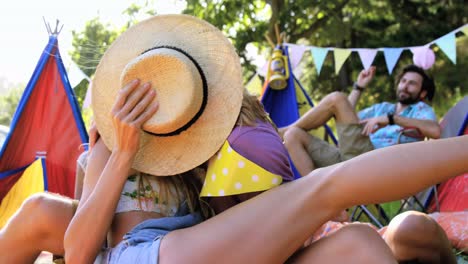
{"x": 197, "y": 76}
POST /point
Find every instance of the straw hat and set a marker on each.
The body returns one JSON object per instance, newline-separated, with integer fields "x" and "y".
{"x": 198, "y": 81}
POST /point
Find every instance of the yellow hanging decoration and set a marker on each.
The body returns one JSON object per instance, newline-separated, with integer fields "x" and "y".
{"x": 229, "y": 173}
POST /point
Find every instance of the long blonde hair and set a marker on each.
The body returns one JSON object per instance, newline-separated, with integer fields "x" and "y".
{"x": 184, "y": 187}
{"x": 251, "y": 111}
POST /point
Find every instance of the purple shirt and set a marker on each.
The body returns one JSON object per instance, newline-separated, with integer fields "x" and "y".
{"x": 262, "y": 145}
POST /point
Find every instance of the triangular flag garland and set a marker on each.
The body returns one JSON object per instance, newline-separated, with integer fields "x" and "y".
{"x": 422, "y": 55}
{"x": 319, "y": 55}
{"x": 447, "y": 45}
{"x": 340, "y": 56}
{"x": 391, "y": 57}
{"x": 465, "y": 30}
{"x": 367, "y": 57}
{"x": 296, "y": 54}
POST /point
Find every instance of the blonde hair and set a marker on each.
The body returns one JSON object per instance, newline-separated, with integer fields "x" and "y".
{"x": 251, "y": 111}
{"x": 184, "y": 187}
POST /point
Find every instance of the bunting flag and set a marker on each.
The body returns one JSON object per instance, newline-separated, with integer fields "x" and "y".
{"x": 465, "y": 30}
{"x": 340, "y": 56}
{"x": 422, "y": 55}
{"x": 287, "y": 105}
{"x": 391, "y": 57}
{"x": 447, "y": 45}
{"x": 367, "y": 57}
{"x": 319, "y": 55}
{"x": 296, "y": 55}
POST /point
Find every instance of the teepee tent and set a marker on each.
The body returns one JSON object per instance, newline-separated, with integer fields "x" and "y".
{"x": 46, "y": 136}
{"x": 453, "y": 193}
{"x": 285, "y": 106}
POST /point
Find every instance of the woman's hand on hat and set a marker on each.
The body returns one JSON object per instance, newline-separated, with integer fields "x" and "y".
{"x": 134, "y": 105}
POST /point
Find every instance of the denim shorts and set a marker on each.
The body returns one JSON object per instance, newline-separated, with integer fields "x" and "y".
{"x": 141, "y": 244}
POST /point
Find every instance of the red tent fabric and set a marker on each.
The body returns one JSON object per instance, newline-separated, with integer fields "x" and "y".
{"x": 47, "y": 123}
{"x": 453, "y": 194}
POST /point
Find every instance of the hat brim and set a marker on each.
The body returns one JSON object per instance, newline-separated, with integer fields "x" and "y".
{"x": 164, "y": 156}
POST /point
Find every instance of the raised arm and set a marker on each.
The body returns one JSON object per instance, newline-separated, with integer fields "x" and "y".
{"x": 364, "y": 77}
{"x": 102, "y": 187}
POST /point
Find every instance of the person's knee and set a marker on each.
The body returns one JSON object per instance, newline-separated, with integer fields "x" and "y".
{"x": 414, "y": 235}
{"x": 411, "y": 226}
{"x": 294, "y": 136}
{"x": 335, "y": 98}
{"x": 34, "y": 204}
{"x": 36, "y": 207}
{"x": 43, "y": 209}
{"x": 360, "y": 233}
{"x": 362, "y": 240}
{"x": 409, "y": 231}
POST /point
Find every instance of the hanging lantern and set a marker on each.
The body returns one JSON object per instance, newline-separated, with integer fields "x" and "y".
{"x": 278, "y": 70}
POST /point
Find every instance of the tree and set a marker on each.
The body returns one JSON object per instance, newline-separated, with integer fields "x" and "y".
{"x": 338, "y": 23}
{"x": 88, "y": 47}
{"x": 9, "y": 102}
{"x": 90, "y": 44}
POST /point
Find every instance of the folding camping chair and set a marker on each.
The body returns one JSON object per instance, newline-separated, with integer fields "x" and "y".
{"x": 454, "y": 123}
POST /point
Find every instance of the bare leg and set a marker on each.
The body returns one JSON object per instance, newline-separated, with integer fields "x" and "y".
{"x": 296, "y": 138}
{"x": 270, "y": 227}
{"x": 335, "y": 105}
{"x": 415, "y": 236}
{"x": 296, "y": 141}
{"x": 39, "y": 225}
{"x": 354, "y": 243}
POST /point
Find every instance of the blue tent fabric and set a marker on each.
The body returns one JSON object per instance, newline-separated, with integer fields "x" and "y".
{"x": 283, "y": 106}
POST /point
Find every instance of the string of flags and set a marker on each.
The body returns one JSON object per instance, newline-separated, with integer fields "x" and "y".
{"x": 423, "y": 56}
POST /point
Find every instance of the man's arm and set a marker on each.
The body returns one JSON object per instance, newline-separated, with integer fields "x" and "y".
{"x": 364, "y": 77}
{"x": 429, "y": 128}
{"x": 354, "y": 97}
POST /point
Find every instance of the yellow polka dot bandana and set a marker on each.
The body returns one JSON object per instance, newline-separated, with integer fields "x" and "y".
{"x": 229, "y": 173}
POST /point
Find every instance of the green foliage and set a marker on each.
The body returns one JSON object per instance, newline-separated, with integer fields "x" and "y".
{"x": 338, "y": 23}
{"x": 90, "y": 44}
{"x": 347, "y": 24}
{"x": 8, "y": 103}
{"x": 88, "y": 47}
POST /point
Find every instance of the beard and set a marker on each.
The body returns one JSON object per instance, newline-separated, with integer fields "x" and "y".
{"x": 411, "y": 99}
